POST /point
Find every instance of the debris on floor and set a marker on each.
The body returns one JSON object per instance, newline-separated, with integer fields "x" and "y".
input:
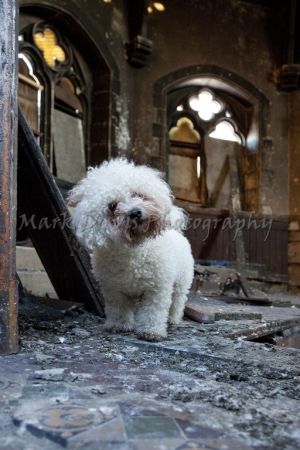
{"x": 74, "y": 385}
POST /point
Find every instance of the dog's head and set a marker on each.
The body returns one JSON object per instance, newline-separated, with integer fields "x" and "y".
{"x": 123, "y": 202}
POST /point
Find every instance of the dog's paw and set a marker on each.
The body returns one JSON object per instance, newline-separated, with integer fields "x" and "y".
{"x": 150, "y": 336}
{"x": 115, "y": 329}
{"x": 173, "y": 323}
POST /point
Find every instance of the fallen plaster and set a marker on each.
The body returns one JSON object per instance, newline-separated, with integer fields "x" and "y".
{"x": 73, "y": 385}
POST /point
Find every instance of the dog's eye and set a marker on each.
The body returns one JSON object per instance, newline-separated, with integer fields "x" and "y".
{"x": 112, "y": 206}
{"x": 137, "y": 194}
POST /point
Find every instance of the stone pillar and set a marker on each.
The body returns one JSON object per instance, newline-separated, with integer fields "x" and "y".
{"x": 294, "y": 190}
{"x": 8, "y": 151}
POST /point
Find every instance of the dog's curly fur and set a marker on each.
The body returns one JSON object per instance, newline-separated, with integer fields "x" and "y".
{"x": 124, "y": 213}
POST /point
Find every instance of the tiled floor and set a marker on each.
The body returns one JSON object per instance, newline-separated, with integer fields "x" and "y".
{"x": 75, "y": 386}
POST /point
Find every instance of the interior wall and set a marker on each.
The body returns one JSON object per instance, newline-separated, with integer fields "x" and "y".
{"x": 233, "y": 35}
{"x": 240, "y": 37}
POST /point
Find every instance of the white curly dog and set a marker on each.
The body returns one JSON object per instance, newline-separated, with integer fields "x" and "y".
{"x": 124, "y": 213}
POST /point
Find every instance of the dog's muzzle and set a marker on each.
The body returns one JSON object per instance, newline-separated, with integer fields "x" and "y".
{"x": 135, "y": 214}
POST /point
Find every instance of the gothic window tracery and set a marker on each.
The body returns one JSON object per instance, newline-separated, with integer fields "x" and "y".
{"x": 198, "y": 169}
{"x": 54, "y": 96}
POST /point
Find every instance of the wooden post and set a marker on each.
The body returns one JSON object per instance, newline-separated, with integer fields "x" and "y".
{"x": 236, "y": 206}
{"x": 8, "y": 126}
{"x": 139, "y": 47}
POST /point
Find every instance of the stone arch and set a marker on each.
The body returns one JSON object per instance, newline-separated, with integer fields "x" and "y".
{"x": 218, "y": 78}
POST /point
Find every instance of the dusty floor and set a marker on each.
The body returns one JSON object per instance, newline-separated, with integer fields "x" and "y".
{"x": 73, "y": 385}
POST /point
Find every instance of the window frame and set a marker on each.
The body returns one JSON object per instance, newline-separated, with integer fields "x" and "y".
{"x": 204, "y": 128}
{"x": 49, "y": 77}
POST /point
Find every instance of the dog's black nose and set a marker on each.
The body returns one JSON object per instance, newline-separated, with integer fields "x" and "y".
{"x": 112, "y": 206}
{"x": 135, "y": 213}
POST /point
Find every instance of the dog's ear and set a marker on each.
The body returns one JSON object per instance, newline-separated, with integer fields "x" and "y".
{"x": 75, "y": 195}
{"x": 86, "y": 224}
{"x": 177, "y": 219}
{"x": 85, "y": 215}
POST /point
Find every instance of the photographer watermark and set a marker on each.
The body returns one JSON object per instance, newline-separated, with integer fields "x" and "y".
{"x": 62, "y": 221}
{"x": 236, "y": 225}
{"x": 205, "y": 225}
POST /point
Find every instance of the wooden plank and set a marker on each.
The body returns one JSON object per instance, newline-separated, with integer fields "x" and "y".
{"x": 139, "y": 47}
{"x": 219, "y": 183}
{"x": 294, "y": 236}
{"x": 185, "y": 151}
{"x": 266, "y": 320}
{"x": 241, "y": 259}
{"x": 294, "y": 252}
{"x": 211, "y": 309}
{"x": 294, "y": 274}
{"x": 258, "y": 301}
{"x": 259, "y": 250}
{"x": 8, "y": 124}
{"x": 48, "y": 224}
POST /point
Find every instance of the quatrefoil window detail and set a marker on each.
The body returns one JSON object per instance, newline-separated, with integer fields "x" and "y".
{"x": 47, "y": 42}
{"x": 206, "y": 105}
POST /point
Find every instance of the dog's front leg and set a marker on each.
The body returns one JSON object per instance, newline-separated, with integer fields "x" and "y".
{"x": 119, "y": 312}
{"x": 152, "y": 315}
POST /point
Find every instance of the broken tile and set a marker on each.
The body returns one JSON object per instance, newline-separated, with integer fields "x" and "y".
{"x": 41, "y": 390}
{"x": 10, "y": 388}
{"x": 226, "y": 444}
{"x": 194, "y": 445}
{"x": 105, "y": 446}
{"x": 157, "y": 444}
{"x": 59, "y": 422}
{"x": 151, "y": 427}
{"x": 138, "y": 409}
{"x": 112, "y": 431}
{"x": 195, "y": 431}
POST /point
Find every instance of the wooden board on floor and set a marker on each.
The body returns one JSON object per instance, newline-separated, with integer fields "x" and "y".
{"x": 247, "y": 321}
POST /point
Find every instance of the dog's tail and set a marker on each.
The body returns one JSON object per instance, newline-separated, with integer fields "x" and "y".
{"x": 177, "y": 219}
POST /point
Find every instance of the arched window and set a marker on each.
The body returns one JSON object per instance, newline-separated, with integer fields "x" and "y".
{"x": 186, "y": 156}
{"x": 30, "y": 93}
{"x": 54, "y": 92}
{"x": 210, "y": 130}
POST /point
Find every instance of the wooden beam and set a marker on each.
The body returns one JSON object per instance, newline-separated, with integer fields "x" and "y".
{"x": 47, "y": 219}
{"x": 8, "y": 126}
{"x": 216, "y": 191}
{"x": 136, "y": 10}
{"x": 139, "y": 48}
{"x": 287, "y": 77}
{"x": 236, "y": 206}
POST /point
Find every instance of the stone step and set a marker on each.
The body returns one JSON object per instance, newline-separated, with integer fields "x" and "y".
{"x": 28, "y": 259}
{"x": 32, "y": 273}
{"x": 37, "y": 283}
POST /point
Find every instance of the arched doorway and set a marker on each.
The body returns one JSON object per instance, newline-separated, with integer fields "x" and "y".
{"x": 238, "y": 125}
{"x": 199, "y": 171}
{"x": 194, "y": 139}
